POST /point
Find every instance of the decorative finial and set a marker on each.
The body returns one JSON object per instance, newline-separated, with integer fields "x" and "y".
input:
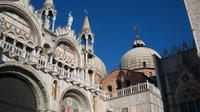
{"x": 50, "y": 3}
{"x": 86, "y": 13}
{"x": 137, "y": 30}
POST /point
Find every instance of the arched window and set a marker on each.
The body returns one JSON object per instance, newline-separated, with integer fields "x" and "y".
{"x": 60, "y": 64}
{"x": 190, "y": 100}
{"x": 19, "y": 45}
{"x": 119, "y": 85}
{"x": 43, "y": 17}
{"x": 124, "y": 110}
{"x": 46, "y": 48}
{"x": 127, "y": 83}
{"x": 83, "y": 40}
{"x": 28, "y": 49}
{"x": 144, "y": 64}
{"x": 9, "y": 40}
{"x": 90, "y": 40}
{"x": 48, "y": 18}
{"x": 109, "y": 88}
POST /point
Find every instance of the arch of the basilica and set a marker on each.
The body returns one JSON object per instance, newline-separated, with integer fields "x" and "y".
{"x": 48, "y": 69}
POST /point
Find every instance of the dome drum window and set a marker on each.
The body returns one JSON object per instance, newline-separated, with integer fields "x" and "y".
{"x": 109, "y": 88}
{"x": 127, "y": 83}
{"x": 119, "y": 84}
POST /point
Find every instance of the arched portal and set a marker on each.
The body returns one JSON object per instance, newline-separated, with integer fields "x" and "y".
{"x": 16, "y": 95}
{"x": 75, "y": 101}
{"x": 21, "y": 90}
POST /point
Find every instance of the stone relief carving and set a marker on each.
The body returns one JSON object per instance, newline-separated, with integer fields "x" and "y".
{"x": 65, "y": 53}
{"x": 66, "y": 31}
{"x": 36, "y": 13}
{"x": 20, "y": 26}
{"x": 26, "y": 4}
{"x": 2, "y": 25}
{"x": 2, "y": 20}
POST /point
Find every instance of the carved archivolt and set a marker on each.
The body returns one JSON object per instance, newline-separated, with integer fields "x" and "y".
{"x": 17, "y": 28}
{"x": 66, "y": 51}
{"x": 33, "y": 77}
{"x": 65, "y": 54}
{"x": 18, "y": 23}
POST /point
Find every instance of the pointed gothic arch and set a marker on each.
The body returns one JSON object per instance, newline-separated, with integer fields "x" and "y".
{"x": 187, "y": 97}
{"x": 90, "y": 40}
{"x": 83, "y": 40}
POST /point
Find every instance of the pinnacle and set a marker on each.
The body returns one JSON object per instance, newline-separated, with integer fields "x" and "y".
{"x": 49, "y": 2}
{"x": 86, "y": 25}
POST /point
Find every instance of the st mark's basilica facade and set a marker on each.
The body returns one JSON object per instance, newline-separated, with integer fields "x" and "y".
{"x": 48, "y": 69}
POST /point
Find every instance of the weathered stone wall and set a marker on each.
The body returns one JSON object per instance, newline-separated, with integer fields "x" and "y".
{"x": 147, "y": 71}
{"x": 193, "y": 10}
{"x": 179, "y": 73}
{"x": 142, "y": 102}
{"x": 122, "y": 75}
{"x": 26, "y": 44}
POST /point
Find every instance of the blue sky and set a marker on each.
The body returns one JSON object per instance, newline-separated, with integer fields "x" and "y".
{"x": 163, "y": 23}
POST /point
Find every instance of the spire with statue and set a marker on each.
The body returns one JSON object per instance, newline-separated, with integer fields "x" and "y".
{"x": 70, "y": 20}
{"x": 47, "y": 14}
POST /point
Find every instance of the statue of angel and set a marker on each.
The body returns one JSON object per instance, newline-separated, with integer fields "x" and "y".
{"x": 70, "y": 20}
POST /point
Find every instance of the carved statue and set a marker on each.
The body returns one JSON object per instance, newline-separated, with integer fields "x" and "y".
{"x": 70, "y": 20}
{"x": 54, "y": 89}
{"x": 58, "y": 30}
{"x": 26, "y": 1}
{"x": 47, "y": 23}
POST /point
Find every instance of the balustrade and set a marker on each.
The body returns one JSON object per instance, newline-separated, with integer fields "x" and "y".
{"x": 132, "y": 90}
{"x": 48, "y": 67}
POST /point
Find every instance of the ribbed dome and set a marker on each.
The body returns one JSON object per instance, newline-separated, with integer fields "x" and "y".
{"x": 137, "y": 58}
{"x": 98, "y": 66}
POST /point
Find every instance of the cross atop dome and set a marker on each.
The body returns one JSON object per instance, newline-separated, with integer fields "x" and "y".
{"x": 137, "y": 30}
{"x": 138, "y": 42}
